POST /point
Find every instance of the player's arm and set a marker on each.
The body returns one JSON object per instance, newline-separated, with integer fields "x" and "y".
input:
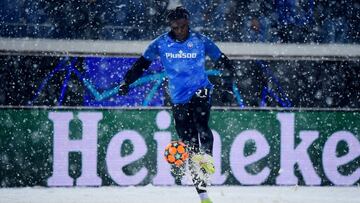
{"x": 138, "y": 68}
{"x": 228, "y": 76}
{"x": 221, "y": 60}
{"x": 224, "y": 63}
{"x": 136, "y": 71}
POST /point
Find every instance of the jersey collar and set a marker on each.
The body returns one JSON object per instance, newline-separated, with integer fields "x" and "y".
{"x": 172, "y": 37}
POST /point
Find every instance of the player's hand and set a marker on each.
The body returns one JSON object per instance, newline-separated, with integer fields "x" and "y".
{"x": 227, "y": 96}
{"x": 123, "y": 89}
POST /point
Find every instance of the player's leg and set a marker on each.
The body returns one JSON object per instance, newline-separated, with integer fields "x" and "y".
{"x": 201, "y": 105}
{"x": 203, "y": 163}
{"x": 199, "y": 182}
{"x": 185, "y": 127}
{"x": 201, "y": 114}
{"x": 186, "y": 130}
{"x": 201, "y": 117}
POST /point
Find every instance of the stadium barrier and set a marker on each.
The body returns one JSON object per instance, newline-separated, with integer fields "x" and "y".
{"x": 91, "y": 146}
{"x": 119, "y": 146}
{"x": 68, "y": 72}
{"x": 266, "y": 51}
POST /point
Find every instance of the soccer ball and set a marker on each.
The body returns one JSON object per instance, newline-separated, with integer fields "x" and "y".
{"x": 176, "y": 153}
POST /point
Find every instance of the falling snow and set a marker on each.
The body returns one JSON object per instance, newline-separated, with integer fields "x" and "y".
{"x": 318, "y": 94}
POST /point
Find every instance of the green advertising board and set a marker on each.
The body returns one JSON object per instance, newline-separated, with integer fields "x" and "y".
{"x": 94, "y": 147}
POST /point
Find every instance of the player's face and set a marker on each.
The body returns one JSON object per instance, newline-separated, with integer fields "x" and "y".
{"x": 180, "y": 28}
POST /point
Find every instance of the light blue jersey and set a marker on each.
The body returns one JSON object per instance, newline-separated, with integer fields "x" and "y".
{"x": 184, "y": 63}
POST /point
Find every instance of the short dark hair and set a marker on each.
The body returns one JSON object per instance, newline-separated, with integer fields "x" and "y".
{"x": 177, "y": 13}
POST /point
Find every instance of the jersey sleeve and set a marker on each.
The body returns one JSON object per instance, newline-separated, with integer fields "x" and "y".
{"x": 152, "y": 51}
{"x": 211, "y": 49}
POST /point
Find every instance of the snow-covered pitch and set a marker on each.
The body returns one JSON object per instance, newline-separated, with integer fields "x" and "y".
{"x": 177, "y": 194}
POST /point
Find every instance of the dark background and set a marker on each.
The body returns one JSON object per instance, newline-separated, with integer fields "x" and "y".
{"x": 284, "y": 21}
{"x": 273, "y": 83}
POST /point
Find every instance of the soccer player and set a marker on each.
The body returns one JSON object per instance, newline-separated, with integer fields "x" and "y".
{"x": 182, "y": 53}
